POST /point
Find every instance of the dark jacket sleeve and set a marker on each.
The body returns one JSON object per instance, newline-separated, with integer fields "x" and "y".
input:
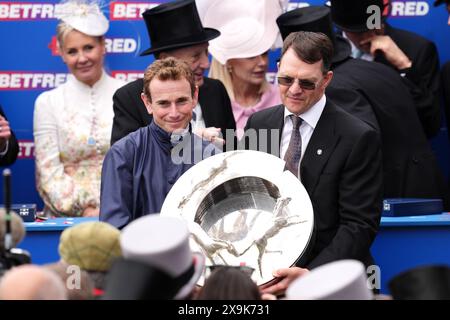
{"x": 360, "y": 200}
{"x": 216, "y": 106}
{"x": 116, "y": 190}
{"x": 229, "y": 122}
{"x": 130, "y": 112}
{"x": 13, "y": 147}
{"x": 423, "y": 82}
{"x": 446, "y": 92}
{"x": 354, "y": 102}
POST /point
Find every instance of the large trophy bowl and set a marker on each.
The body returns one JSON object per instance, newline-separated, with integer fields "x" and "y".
{"x": 243, "y": 209}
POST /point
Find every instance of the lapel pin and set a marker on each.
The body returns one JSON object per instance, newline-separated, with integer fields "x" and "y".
{"x": 319, "y": 152}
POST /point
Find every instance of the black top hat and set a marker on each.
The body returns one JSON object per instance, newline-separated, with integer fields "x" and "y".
{"x": 422, "y": 283}
{"x": 175, "y": 25}
{"x": 314, "y": 19}
{"x": 133, "y": 280}
{"x": 352, "y": 15}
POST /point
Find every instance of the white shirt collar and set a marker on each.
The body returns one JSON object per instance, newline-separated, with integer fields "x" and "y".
{"x": 312, "y": 116}
{"x": 356, "y": 53}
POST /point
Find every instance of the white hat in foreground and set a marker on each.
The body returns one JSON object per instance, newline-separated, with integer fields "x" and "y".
{"x": 339, "y": 280}
{"x": 163, "y": 243}
{"x": 248, "y": 28}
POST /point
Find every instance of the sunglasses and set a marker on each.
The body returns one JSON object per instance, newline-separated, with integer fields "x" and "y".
{"x": 289, "y": 81}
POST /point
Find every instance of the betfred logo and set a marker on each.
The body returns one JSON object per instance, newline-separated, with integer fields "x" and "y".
{"x": 26, "y": 11}
{"x": 128, "y": 75}
{"x": 409, "y": 8}
{"x": 129, "y": 10}
{"x": 120, "y": 45}
{"x": 26, "y": 149}
{"x": 15, "y": 80}
{"x": 113, "y": 45}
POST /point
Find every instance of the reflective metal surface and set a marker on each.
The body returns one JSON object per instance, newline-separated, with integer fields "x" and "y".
{"x": 244, "y": 209}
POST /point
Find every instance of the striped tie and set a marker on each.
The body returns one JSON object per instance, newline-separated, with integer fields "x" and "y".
{"x": 294, "y": 151}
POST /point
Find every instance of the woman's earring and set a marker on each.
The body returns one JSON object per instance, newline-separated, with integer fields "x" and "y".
{"x": 229, "y": 69}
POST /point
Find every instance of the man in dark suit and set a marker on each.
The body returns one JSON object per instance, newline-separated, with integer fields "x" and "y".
{"x": 412, "y": 56}
{"x": 335, "y": 155}
{"x": 176, "y": 31}
{"x": 9, "y": 148}
{"x": 410, "y": 169}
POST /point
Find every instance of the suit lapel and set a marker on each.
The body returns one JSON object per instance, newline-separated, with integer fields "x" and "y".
{"x": 203, "y": 99}
{"x": 320, "y": 147}
{"x": 274, "y": 123}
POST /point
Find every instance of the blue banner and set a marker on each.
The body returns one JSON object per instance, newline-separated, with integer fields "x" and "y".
{"x": 29, "y": 63}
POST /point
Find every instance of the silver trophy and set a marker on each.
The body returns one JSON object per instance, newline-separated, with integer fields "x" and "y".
{"x": 242, "y": 208}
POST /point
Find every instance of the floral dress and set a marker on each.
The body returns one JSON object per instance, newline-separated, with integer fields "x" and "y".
{"x": 72, "y": 132}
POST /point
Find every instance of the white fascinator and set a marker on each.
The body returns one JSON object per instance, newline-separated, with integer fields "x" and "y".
{"x": 84, "y": 16}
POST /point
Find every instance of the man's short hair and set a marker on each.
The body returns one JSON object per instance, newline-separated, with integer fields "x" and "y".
{"x": 168, "y": 69}
{"x": 310, "y": 47}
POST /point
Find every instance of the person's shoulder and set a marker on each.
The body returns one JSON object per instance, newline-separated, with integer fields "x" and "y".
{"x": 368, "y": 70}
{"x": 268, "y": 112}
{"x": 405, "y": 36}
{"x": 133, "y": 87}
{"x": 131, "y": 140}
{"x": 347, "y": 122}
{"x": 210, "y": 84}
{"x": 51, "y": 97}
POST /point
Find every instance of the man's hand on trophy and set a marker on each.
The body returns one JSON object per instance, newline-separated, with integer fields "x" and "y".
{"x": 283, "y": 278}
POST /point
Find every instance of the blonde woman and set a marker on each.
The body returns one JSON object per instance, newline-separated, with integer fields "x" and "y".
{"x": 72, "y": 123}
{"x": 240, "y": 54}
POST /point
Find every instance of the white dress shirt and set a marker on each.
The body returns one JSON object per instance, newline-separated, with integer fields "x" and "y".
{"x": 310, "y": 119}
{"x": 197, "y": 121}
{"x": 358, "y": 54}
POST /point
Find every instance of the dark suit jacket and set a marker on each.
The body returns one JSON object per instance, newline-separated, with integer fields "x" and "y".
{"x": 344, "y": 182}
{"x": 131, "y": 114}
{"x": 422, "y": 79}
{"x": 446, "y": 91}
{"x": 13, "y": 147}
{"x": 410, "y": 168}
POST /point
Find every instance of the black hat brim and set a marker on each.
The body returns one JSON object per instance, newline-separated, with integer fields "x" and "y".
{"x": 360, "y": 28}
{"x": 208, "y": 34}
{"x": 342, "y": 49}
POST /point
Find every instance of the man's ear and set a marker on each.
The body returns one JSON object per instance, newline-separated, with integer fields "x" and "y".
{"x": 327, "y": 79}
{"x": 195, "y": 97}
{"x": 147, "y": 103}
{"x": 163, "y": 55}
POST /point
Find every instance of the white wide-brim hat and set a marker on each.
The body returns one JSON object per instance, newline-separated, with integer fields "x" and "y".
{"x": 339, "y": 280}
{"x": 163, "y": 243}
{"x": 248, "y": 28}
{"x": 83, "y": 16}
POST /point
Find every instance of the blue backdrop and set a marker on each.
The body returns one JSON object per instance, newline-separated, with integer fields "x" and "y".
{"x": 29, "y": 64}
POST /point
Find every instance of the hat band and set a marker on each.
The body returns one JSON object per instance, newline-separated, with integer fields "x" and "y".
{"x": 202, "y": 36}
{"x": 183, "y": 278}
